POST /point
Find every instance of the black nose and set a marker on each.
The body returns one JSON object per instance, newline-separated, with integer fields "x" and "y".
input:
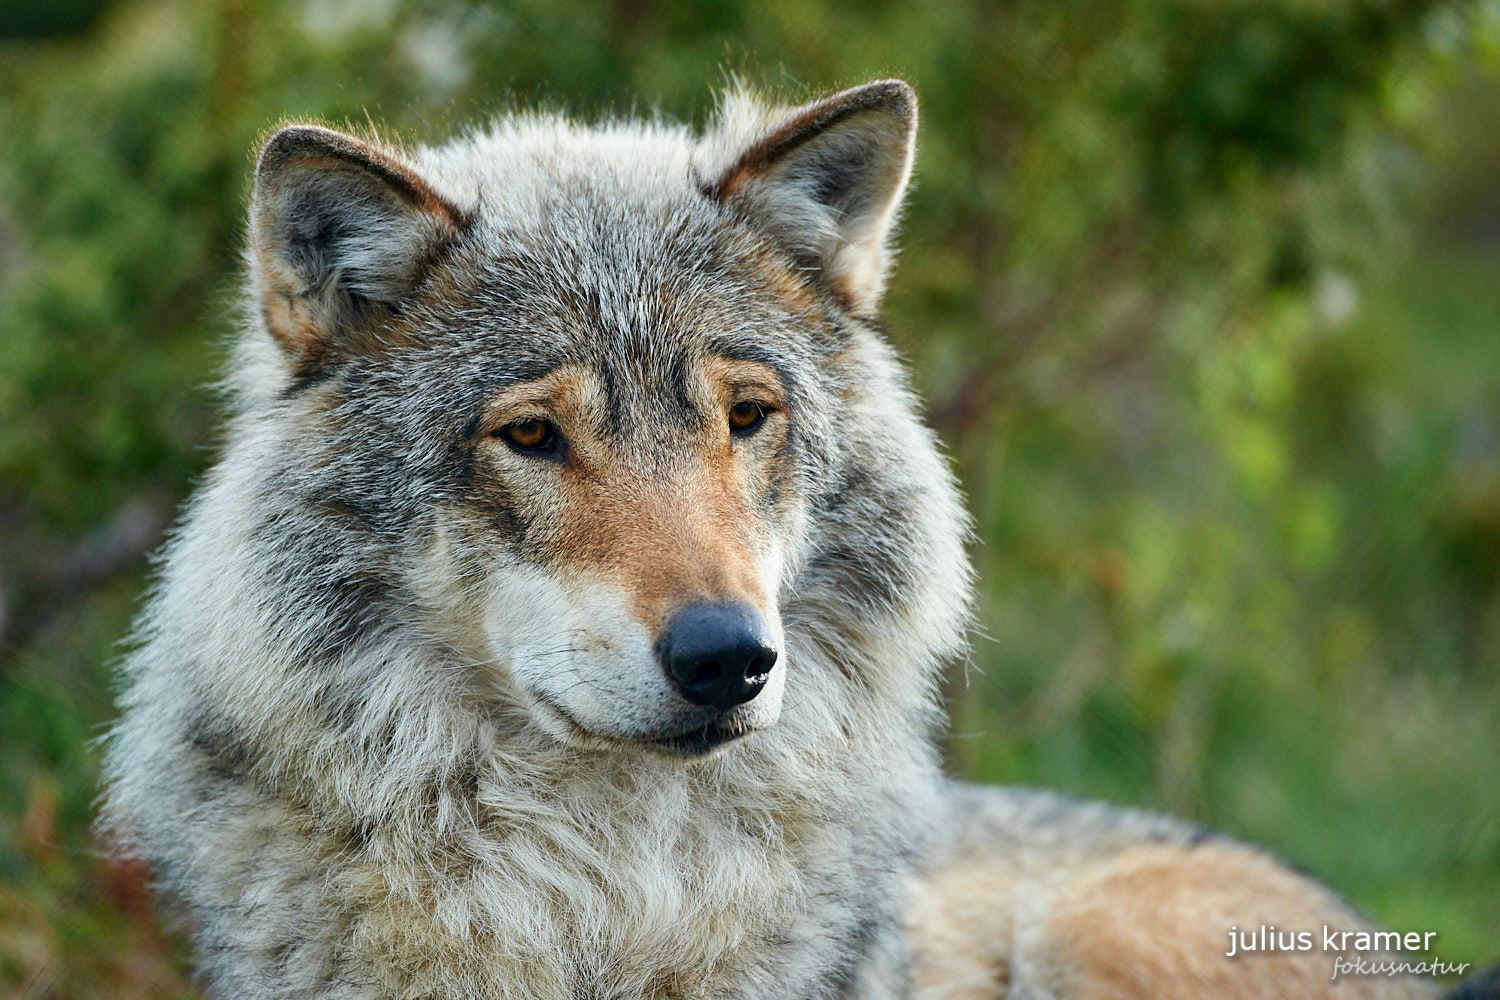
{"x": 717, "y": 654}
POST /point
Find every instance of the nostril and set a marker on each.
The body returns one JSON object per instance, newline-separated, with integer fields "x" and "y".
{"x": 718, "y": 655}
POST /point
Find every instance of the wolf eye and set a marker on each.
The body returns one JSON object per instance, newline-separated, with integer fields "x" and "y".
{"x": 746, "y": 417}
{"x": 530, "y": 435}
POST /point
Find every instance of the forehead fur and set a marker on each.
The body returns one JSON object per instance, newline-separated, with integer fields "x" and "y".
{"x": 522, "y": 161}
{"x": 598, "y": 243}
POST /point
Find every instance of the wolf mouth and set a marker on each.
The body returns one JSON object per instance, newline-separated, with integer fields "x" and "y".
{"x": 705, "y": 739}
{"x": 689, "y": 745}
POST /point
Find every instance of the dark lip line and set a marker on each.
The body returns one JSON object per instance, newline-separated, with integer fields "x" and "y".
{"x": 696, "y": 742}
{"x": 685, "y": 743}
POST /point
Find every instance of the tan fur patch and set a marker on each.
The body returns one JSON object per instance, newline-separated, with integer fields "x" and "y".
{"x": 287, "y": 314}
{"x": 1153, "y": 923}
{"x": 665, "y": 544}
{"x": 295, "y": 322}
{"x": 961, "y": 933}
{"x": 734, "y": 379}
{"x": 1150, "y": 922}
{"x": 563, "y": 396}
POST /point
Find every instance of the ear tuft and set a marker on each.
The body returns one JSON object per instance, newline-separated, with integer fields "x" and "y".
{"x": 826, "y": 179}
{"x": 340, "y": 233}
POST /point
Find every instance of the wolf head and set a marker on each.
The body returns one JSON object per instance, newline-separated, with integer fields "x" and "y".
{"x": 601, "y": 409}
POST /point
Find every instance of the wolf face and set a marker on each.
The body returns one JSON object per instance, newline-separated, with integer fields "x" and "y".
{"x": 633, "y": 580}
{"x": 629, "y": 366}
{"x": 656, "y": 506}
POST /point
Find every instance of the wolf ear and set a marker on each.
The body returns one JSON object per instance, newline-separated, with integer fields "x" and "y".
{"x": 340, "y": 234}
{"x": 828, "y": 180}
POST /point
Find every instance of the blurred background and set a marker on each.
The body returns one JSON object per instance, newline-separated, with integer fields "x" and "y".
{"x": 1203, "y": 295}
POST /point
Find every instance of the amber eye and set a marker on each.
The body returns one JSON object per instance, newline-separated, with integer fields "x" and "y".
{"x": 530, "y": 435}
{"x": 746, "y": 417}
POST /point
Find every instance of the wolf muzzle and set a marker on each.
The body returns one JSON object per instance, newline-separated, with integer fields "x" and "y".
{"x": 717, "y": 655}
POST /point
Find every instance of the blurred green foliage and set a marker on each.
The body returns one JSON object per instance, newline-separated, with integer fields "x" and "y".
{"x": 1203, "y": 296}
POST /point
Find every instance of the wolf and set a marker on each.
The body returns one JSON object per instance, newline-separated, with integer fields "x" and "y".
{"x": 562, "y": 619}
